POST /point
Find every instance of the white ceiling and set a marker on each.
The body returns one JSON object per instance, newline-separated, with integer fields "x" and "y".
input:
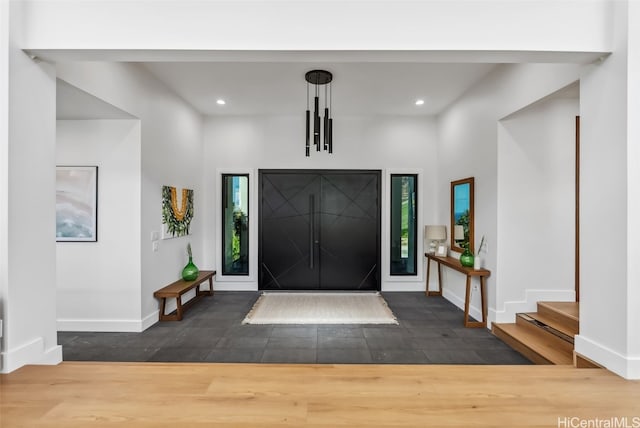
{"x": 365, "y": 83}
{"x": 279, "y": 88}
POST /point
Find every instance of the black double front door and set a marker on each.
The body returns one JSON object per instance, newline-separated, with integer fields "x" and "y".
{"x": 319, "y": 230}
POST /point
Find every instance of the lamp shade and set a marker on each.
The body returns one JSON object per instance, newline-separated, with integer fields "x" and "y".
{"x": 458, "y": 232}
{"x": 435, "y": 232}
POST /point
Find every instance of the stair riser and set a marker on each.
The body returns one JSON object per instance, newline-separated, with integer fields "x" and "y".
{"x": 568, "y": 322}
{"x": 550, "y": 338}
{"x": 553, "y": 324}
{"x": 514, "y": 343}
{"x": 581, "y": 362}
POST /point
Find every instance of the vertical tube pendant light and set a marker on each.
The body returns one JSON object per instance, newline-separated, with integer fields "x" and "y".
{"x": 317, "y": 78}
{"x": 325, "y": 144}
{"x": 308, "y": 125}
{"x": 316, "y": 122}
{"x": 330, "y": 128}
{"x": 330, "y": 132}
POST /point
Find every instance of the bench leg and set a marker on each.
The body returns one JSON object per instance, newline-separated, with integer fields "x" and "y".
{"x": 205, "y": 292}
{"x": 178, "y": 308}
{"x": 171, "y": 317}
{"x": 162, "y": 307}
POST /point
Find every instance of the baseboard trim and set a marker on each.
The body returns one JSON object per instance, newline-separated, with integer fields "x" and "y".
{"x": 150, "y": 320}
{"x": 235, "y": 286}
{"x": 386, "y": 286}
{"x": 532, "y": 297}
{"x": 627, "y": 367}
{"x": 122, "y": 326}
{"x": 390, "y": 287}
{"x": 30, "y": 353}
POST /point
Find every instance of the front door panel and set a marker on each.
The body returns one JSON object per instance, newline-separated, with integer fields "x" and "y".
{"x": 319, "y": 230}
{"x": 349, "y": 231}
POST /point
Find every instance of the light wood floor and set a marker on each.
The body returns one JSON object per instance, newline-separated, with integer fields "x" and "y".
{"x": 244, "y": 395}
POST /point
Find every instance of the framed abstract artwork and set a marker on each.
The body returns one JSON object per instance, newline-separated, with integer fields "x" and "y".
{"x": 177, "y": 212}
{"x": 77, "y": 203}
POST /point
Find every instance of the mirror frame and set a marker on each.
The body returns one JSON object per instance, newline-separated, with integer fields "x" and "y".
{"x": 470, "y": 182}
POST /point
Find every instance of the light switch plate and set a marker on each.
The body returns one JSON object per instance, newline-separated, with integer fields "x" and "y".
{"x": 155, "y": 235}
{"x": 154, "y": 246}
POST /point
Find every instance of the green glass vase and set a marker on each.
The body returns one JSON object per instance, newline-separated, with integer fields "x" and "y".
{"x": 190, "y": 271}
{"x": 466, "y": 258}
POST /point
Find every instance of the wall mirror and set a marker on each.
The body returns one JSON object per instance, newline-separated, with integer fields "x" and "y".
{"x": 462, "y": 213}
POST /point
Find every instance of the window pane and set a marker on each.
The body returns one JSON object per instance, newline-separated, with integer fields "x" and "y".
{"x": 403, "y": 224}
{"x": 235, "y": 224}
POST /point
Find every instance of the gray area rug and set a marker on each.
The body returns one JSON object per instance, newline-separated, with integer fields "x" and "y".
{"x": 320, "y": 308}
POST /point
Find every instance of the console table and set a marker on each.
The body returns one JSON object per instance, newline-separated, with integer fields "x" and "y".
{"x": 454, "y": 264}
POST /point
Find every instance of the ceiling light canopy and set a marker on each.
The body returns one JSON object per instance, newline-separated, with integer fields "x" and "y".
{"x": 220, "y": 102}
{"x": 419, "y": 102}
{"x": 319, "y": 78}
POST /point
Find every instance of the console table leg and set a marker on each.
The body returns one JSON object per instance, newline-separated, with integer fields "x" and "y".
{"x": 484, "y": 301}
{"x": 466, "y": 302}
{"x": 426, "y": 289}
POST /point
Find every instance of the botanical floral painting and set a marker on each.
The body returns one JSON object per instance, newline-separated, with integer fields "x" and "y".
{"x": 76, "y": 203}
{"x": 177, "y": 212}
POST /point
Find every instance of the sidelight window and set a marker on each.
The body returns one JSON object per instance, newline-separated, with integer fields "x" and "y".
{"x": 404, "y": 224}
{"x": 235, "y": 224}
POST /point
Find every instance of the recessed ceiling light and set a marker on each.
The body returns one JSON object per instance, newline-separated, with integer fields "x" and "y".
{"x": 221, "y": 102}
{"x": 419, "y": 102}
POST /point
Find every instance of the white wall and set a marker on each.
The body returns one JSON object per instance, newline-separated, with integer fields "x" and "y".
{"x": 4, "y": 160}
{"x": 99, "y": 283}
{"x": 609, "y": 189}
{"x": 468, "y": 146}
{"x": 536, "y": 207}
{"x": 438, "y": 25}
{"x": 28, "y": 202}
{"x": 171, "y": 154}
{"x": 246, "y": 144}
{"x": 633, "y": 191}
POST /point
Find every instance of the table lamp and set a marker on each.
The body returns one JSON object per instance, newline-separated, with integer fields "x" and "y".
{"x": 434, "y": 234}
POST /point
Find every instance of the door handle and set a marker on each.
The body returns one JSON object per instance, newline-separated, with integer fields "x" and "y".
{"x": 312, "y": 221}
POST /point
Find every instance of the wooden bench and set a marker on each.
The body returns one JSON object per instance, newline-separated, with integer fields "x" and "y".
{"x": 178, "y": 288}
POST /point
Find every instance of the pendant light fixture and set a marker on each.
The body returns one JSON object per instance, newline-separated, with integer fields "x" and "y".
{"x": 319, "y": 78}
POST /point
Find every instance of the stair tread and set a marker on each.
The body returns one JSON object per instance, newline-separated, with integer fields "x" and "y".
{"x": 536, "y": 343}
{"x": 568, "y": 309}
{"x": 553, "y": 323}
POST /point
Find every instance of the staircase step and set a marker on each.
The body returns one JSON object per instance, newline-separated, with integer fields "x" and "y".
{"x": 553, "y": 337}
{"x": 563, "y": 313}
{"x": 551, "y": 325}
{"x": 535, "y": 346}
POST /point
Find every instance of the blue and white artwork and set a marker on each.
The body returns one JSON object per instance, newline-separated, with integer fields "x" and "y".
{"x": 76, "y": 203}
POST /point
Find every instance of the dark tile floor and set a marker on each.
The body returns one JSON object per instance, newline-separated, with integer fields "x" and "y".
{"x": 430, "y": 331}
